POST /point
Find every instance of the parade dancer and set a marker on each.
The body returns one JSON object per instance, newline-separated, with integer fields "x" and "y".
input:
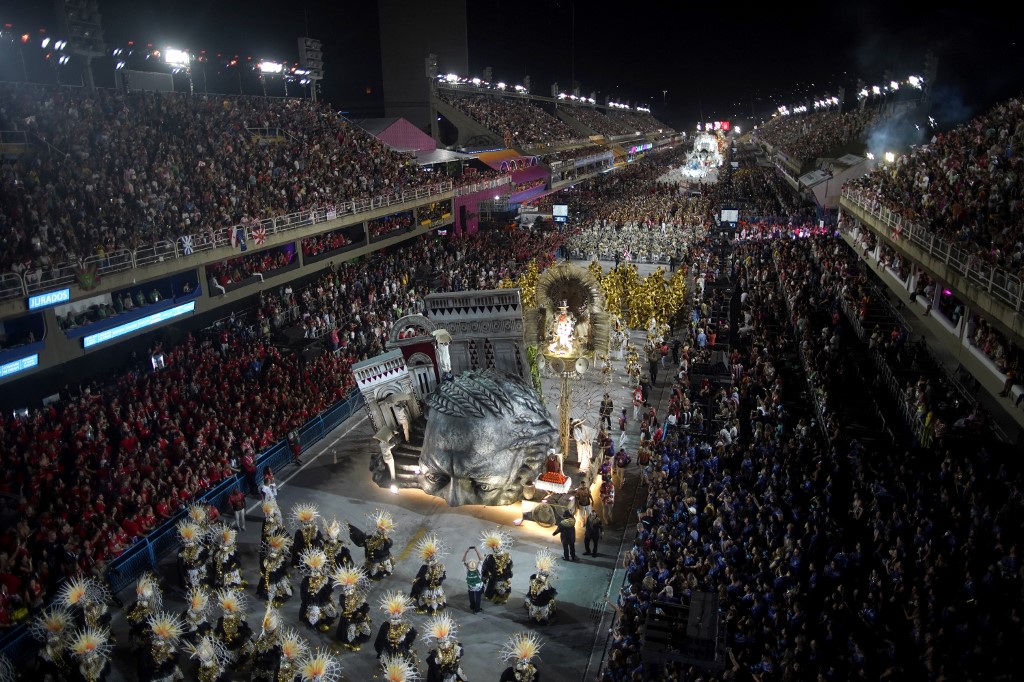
{"x": 225, "y": 566}
{"x": 520, "y": 650}
{"x": 269, "y": 662}
{"x": 86, "y": 600}
{"x": 338, "y": 553}
{"x": 427, "y": 592}
{"x": 212, "y": 657}
{"x": 397, "y": 669}
{"x": 443, "y": 661}
{"x": 91, "y": 648}
{"x": 540, "y": 597}
{"x": 194, "y": 617}
{"x": 317, "y": 609}
{"x": 192, "y": 555}
{"x": 396, "y": 636}
{"x": 275, "y": 584}
{"x": 52, "y": 628}
{"x": 148, "y": 599}
{"x": 320, "y": 666}
{"x": 378, "y": 564}
{"x": 158, "y": 662}
{"x": 497, "y": 566}
{"x": 273, "y": 523}
{"x": 353, "y": 611}
{"x": 232, "y": 630}
{"x": 307, "y": 536}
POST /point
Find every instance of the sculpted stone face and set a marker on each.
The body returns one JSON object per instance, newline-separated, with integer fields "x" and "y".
{"x": 486, "y": 437}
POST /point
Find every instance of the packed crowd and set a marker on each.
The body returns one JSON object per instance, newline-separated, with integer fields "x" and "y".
{"x": 132, "y": 169}
{"x": 326, "y": 242}
{"x": 831, "y": 559}
{"x": 599, "y": 123}
{"x": 96, "y": 471}
{"x": 964, "y": 187}
{"x": 810, "y": 136}
{"x": 516, "y": 119}
{"x": 638, "y": 121}
{"x": 237, "y": 270}
{"x": 380, "y": 227}
{"x": 631, "y": 215}
{"x": 568, "y": 155}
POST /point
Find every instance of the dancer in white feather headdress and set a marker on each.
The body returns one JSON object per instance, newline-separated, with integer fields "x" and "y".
{"x": 497, "y": 566}
{"x": 353, "y": 611}
{"x": 427, "y": 590}
{"x": 444, "y": 660}
{"x": 540, "y": 597}
{"x": 520, "y": 651}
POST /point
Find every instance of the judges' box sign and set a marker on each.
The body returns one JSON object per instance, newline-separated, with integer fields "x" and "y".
{"x": 21, "y": 365}
{"x": 49, "y": 298}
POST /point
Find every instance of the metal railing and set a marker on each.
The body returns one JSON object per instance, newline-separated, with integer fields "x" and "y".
{"x": 490, "y": 183}
{"x": 14, "y": 285}
{"x": 1001, "y": 284}
{"x": 124, "y": 571}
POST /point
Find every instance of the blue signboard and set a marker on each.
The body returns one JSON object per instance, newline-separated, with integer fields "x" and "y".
{"x": 136, "y": 325}
{"x": 49, "y": 298}
{"x": 19, "y": 365}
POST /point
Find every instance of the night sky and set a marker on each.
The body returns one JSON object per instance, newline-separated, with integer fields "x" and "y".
{"x": 715, "y": 60}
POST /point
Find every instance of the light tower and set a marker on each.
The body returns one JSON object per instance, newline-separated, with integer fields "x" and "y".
{"x": 311, "y": 59}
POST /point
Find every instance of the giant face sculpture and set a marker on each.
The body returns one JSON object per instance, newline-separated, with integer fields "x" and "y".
{"x": 487, "y": 435}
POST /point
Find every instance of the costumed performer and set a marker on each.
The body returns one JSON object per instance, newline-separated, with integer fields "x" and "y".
{"x": 378, "y": 563}
{"x": 197, "y": 602}
{"x": 520, "y": 650}
{"x": 158, "y": 662}
{"x": 225, "y": 566}
{"x": 497, "y": 566}
{"x": 192, "y": 555}
{"x": 317, "y": 608}
{"x": 443, "y": 661}
{"x": 232, "y": 630}
{"x": 427, "y": 591}
{"x": 353, "y": 611}
{"x": 212, "y": 657}
{"x": 52, "y": 628}
{"x": 320, "y": 666}
{"x": 91, "y": 648}
{"x": 396, "y": 635}
{"x": 307, "y": 535}
{"x": 540, "y": 597}
{"x": 275, "y": 584}
{"x": 338, "y": 553}
{"x": 148, "y": 600}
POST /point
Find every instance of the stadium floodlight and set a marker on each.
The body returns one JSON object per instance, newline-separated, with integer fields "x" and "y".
{"x": 120, "y": 65}
{"x": 871, "y": 157}
{"x": 477, "y": 82}
{"x": 916, "y": 82}
{"x": 452, "y": 78}
{"x": 270, "y": 67}
{"x": 45, "y": 43}
{"x": 180, "y": 58}
{"x": 60, "y": 44}
{"x": 876, "y": 90}
{"x": 520, "y": 88}
{"x": 501, "y": 86}
{"x": 893, "y": 85}
{"x": 64, "y": 59}
{"x": 889, "y": 157}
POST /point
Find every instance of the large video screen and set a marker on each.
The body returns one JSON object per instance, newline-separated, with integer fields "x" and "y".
{"x": 560, "y": 212}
